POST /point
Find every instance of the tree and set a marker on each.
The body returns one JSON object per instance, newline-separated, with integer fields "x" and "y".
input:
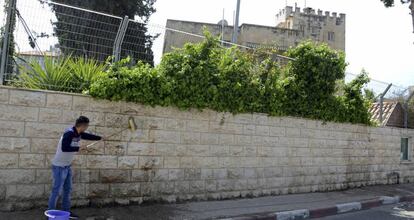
{"x": 390, "y": 3}
{"x": 91, "y": 35}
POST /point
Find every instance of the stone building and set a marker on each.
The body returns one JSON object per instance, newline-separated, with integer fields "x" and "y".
{"x": 293, "y": 25}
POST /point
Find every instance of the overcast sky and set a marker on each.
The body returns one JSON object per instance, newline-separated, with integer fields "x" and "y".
{"x": 379, "y": 39}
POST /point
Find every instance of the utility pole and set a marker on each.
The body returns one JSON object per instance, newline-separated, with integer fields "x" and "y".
{"x": 236, "y": 23}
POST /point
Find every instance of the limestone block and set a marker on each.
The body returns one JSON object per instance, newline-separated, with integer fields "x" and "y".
{"x": 116, "y": 120}
{"x": 198, "y": 150}
{"x": 97, "y": 190}
{"x": 293, "y": 132}
{"x": 104, "y": 131}
{"x": 161, "y": 136}
{"x": 125, "y": 190}
{"x": 27, "y": 98}
{"x": 230, "y": 162}
{"x": 243, "y": 118}
{"x": 205, "y": 162}
{"x": 114, "y": 176}
{"x": 176, "y": 174}
{"x": 32, "y": 161}
{"x": 127, "y": 162}
{"x": 44, "y": 130}
{"x": 171, "y": 162}
{"x": 50, "y": 115}
{"x": 60, "y": 101}
{"x": 142, "y": 175}
{"x": 44, "y": 176}
{"x": 17, "y": 176}
{"x": 11, "y": 129}
{"x": 219, "y": 174}
{"x": 261, "y": 119}
{"x": 236, "y": 151}
{"x": 219, "y": 150}
{"x": 226, "y": 139}
{"x": 174, "y": 124}
{"x": 249, "y": 129}
{"x": 197, "y": 187}
{"x": 190, "y": 138}
{"x": 250, "y": 151}
{"x": 243, "y": 140}
{"x": 78, "y": 191}
{"x": 8, "y": 144}
{"x": 186, "y": 162}
{"x": 25, "y": 192}
{"x": 226, "y": 128}
{"x": 166, "y": 149}
{"x": 89, "y": 176}
{"x": 4, "y": 96}
{"x": 9, "y": 160}
{"x": 101, "y": 161}
{"x": 18, "y": 113}
{"x": 181, "y": 187}
{"x": 41, "y": 145}
{"x": 196, "y": 126}
{"x": 225, "y": 185}
{"x": 79, "y": 161}
{"x": 81, "y": 103}
{"x": 135, "y": 108}
{"x": 150, "y": 162}
{"x": 262, "y": 130}
{"x": 104, "y": 106}
{"x": 207, "y": 174}
{"x": 69, "y": 116}
{"x": 161, "y": 175}
{"x": 192, "y": 174}
{"x": 151, "y": 123}
{"x": 95, "y": 118}
{"x": 209, "y": 138}
{"x": 235, "y": 173}
{"x": 115, "y": 148}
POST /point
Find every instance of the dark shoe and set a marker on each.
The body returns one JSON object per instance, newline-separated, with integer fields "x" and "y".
{"x": 73, "y": 216}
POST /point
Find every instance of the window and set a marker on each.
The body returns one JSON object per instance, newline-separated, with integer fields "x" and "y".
{"x": 331, "y": 36}
{"x": 405, "y": 149}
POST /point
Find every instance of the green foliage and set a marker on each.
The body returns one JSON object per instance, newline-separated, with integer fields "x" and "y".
{"x": 310, "y": 81}
{"x": 206, "y": 75}
{"x": 60, "y": 74}
{"x": 123, "y": 82}
{"x": 355, "y": 105}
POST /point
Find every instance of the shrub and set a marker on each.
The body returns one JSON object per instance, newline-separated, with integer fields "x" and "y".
{"x": 60, "y": 74}
{"x": 206, "y": 75}
{"x": 139, "y": 83}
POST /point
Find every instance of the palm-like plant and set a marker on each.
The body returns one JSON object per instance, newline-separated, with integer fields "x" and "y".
{"x": 84, "y": 71}
{"x": 54, "y": 74}
{"x": 60, "y": 74}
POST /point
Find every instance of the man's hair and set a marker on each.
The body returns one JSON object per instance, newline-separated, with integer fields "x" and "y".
{"x": 82, "y": 120}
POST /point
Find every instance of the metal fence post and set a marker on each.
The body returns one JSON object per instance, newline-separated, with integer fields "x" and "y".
{"x": 120, "y": 38}
{"x": 5, "y": 46}
{"x": 382, "y": 102}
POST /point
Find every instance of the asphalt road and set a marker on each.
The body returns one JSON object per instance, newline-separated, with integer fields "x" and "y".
{"x": 391, "y": 212}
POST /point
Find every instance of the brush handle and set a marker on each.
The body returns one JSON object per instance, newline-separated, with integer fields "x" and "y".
{"x": 89, "y": 145}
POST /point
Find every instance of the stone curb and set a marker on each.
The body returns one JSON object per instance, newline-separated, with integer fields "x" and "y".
{"x": 326, "y": 211}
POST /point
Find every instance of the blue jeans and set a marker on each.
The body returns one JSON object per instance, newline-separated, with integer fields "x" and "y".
{"x": 62, "y": 178}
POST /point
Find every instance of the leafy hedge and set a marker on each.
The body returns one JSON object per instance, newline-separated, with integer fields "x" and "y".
{"x": 206, "y": 75}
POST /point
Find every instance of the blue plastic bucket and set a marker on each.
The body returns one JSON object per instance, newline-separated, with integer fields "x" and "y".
{"x": 57, "y": 215}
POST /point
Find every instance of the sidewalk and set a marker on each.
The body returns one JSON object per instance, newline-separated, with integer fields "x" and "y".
{"x": 229, "y": 208}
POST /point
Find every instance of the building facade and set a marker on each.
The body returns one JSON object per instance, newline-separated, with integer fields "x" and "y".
{"x": 293, "y": 25}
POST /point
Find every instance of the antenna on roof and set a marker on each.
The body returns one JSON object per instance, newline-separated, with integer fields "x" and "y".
{"x": 305, "y": 3}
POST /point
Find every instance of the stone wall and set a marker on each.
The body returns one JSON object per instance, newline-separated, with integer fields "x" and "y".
{"x": 185, "y": 155}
